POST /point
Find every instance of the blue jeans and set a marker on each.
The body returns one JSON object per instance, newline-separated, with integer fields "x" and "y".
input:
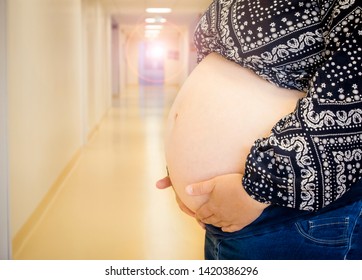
{"x": 280, "y": 233}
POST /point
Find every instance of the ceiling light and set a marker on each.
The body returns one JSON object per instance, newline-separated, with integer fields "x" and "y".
{"x": 153, "y": 27}
{"x": 158, "y": 10}
{"x": 150, "y": 20}
{"x": 155, "y": 20}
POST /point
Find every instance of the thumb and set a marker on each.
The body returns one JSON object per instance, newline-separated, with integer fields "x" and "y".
{"x": 201, "y": 188}
{"x": 164, "y": 183}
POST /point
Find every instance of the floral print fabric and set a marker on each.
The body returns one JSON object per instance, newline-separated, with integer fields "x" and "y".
{"x": 314, "y": 154}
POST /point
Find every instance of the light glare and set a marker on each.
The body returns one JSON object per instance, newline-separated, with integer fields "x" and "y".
{"x": 156, "y": 51}
{"x": 155, "y": 20}
{"x": 158, "y": 10}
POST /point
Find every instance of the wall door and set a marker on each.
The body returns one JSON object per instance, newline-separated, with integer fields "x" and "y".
{"x": 116, "y": 88}
{"x": 5, "y": 240}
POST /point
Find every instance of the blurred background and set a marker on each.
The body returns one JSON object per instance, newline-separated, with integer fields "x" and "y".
{"x": 85, "y": 88}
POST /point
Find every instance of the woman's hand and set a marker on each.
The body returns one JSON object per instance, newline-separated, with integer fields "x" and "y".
{"x": 229, "y": 206}
{"x": 166, "y": 183}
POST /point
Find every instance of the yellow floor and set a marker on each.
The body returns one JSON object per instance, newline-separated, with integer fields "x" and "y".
{"x": 108, "y": 208}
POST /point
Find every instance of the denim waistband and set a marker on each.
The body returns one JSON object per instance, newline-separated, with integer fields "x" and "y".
{"x": 275, "y": 215}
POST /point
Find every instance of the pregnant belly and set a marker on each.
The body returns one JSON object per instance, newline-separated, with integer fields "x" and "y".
{"x": 219, "y": 112}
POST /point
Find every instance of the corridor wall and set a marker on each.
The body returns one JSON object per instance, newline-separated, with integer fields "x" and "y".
{"x": 96, "y": 48}
{"x": 59, "y": 89}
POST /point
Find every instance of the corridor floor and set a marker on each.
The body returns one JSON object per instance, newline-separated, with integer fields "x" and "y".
{"x": 108, "y": 207}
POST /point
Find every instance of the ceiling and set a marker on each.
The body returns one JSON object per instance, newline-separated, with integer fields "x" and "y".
{"x": 138, "y": 6}
{"x": 130, "y": 13}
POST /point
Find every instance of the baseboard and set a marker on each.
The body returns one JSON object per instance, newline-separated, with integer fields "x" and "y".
{"x": 21, "y": 236}
{"x": 92, "y": 133}
{"x": 96, "y": 128}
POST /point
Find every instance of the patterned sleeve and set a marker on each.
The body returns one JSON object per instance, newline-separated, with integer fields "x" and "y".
{"x": 314, "y": 155}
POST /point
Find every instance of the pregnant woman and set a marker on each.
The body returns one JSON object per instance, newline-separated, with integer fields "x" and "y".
{"x": 264, "y": 140}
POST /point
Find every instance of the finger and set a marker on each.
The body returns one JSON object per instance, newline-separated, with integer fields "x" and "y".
{"x": 164, "y": 183}
{"x": 201, "y": 188}
{"x": 204, "y": 212}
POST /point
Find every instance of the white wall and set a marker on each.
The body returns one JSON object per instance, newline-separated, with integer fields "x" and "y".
{"x": 97, "y": 34}
{"x": 174, "y": 65}
{"x": 185, "y": 54}
{"x": 53, "y": 99}
{"x": 192, "y": 53}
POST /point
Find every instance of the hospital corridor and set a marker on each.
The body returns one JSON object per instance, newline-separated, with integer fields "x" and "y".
{"x": 85, "y": 91}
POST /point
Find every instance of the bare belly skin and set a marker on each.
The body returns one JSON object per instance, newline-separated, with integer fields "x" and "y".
{"x": 219, "y": 112}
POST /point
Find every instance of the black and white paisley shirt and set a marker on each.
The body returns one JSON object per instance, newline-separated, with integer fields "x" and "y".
{"x": 314, "y": 154}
